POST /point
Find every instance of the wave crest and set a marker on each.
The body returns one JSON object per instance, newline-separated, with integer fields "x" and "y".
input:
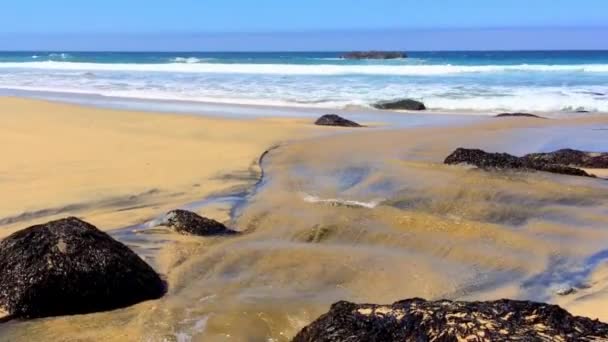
{"x": 189, "y": 65}
{"x": 187, "y": 60}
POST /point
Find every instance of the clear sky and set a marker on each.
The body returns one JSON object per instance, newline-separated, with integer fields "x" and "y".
{"x": 316, "y": 24}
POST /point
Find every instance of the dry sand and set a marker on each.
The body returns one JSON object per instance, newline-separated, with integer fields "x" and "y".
{"x": 115, "y": 168}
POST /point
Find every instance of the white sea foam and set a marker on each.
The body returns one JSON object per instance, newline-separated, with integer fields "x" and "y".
{"x": 187, "y": 60}
{"x": 294, "y": 69}
{"x": 341, "y": 202}
{"x": 513, "y": 99}
{"x": 62, "y": 55}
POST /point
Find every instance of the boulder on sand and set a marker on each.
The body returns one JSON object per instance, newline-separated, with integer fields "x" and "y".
{"x": 68, "y": 267}
{"x": 335, "y": 120}
{"x": 406, "y": 104}
{"x": 189, "y": 223}
{"x": 420, "y": 320}
{"x": 374, "y": 55}
{"x": 485, "y": 160}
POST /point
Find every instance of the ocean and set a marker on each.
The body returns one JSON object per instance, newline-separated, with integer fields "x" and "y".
{"x": 472, "y": 81}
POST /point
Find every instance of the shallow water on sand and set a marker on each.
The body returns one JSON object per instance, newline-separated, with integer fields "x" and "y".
{"x": 368, "y": 217}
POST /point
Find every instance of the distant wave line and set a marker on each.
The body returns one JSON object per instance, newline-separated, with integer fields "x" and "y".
{"x": 295, "y": 69}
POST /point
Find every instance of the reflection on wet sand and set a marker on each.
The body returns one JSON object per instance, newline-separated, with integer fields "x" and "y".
{"x": 434, "y": 231}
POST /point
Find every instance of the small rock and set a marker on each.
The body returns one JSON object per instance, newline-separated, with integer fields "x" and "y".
{"x": 565, "y": 291}
{"x": 512, "y": 115}
{"x": 335, "y": 120}
{"x": 374, "y": 55}
{"x": 406, "y": 104}
{"x": 69, "y": 267}
{"x": 188, "y": 223}
{"x": 420, "y": 320}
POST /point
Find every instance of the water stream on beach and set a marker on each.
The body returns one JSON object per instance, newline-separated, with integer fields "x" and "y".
{"x": 368, "y": 217}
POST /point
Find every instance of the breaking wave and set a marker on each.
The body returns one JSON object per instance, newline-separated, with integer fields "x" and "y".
{"x": 194, "y": 65}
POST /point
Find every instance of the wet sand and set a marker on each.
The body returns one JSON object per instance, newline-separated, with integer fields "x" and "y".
{"x": 368, "y": 216}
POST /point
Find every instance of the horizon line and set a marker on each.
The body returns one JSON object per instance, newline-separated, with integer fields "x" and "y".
{"x": 302, "y": 51}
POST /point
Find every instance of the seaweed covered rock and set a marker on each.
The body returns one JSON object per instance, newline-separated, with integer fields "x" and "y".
{"x": 374, "y": 55}
{"x": 518, "y": 115}
{"x": 571, "y": 157}
{"x": 188, "y": 223}
{"x": 485, "y": 160}
{"x": 335, "y": 120}
{"x": 406, "y": 104}
{"x": 420, "y": 320}
{"x": 68, "y": 267}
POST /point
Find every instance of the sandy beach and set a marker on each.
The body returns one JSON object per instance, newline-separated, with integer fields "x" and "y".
{"x": 368, "y": 216}
{"x": 117, "y": 168}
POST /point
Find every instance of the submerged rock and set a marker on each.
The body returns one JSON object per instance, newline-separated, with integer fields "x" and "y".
{"x": 188, "y": 223}
{"x": 406, "y": 104}
{"x": 68, "y": 267}
{"x": 565, "y": 291}
{"x": 420, "y": 320}
{"x": 374, "y": 55}
{"x": 335, "y": 120}
{"x": 571, "y": 157}
{"x": 525, "y": 115}
{"x": 485, "y": 160}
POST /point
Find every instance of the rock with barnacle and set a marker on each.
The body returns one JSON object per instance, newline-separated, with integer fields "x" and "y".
{"x": 594, "y": 160}
{"x": 68, "y": 267}
{"x": 189, "y": 223}
{"x": 420, "y": 320}
{"x": 504, "y": 161}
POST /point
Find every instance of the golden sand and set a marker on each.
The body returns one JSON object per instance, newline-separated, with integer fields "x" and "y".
{"x": 116, "y": 168}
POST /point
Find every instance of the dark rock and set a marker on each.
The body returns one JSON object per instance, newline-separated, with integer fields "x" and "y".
{"x": 189, "y": 223}
{"x": 420, "y": 320}
{"x": 68, "y": 267}
{"x": 515, "y": 115}
{"x": 335, "y": 120}
{"x": 485, "y": 160}
{"x": 374, "y": 55}
{"x": 406, "y": 104}
{"x": 571, "y": 157}
{"x": 565, "y": 291}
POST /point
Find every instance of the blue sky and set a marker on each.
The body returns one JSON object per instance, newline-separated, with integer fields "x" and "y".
{"x": 316, "y": 24}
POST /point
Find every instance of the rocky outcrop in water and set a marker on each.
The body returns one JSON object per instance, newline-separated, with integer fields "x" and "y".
{"x": 485, "y": 160}
{"x": 188, "y": 223}
{"x": 518, "y": 115}
{"x": 406, "y": 104}
{"x": 571, "y": 157}
{"x": 420, "y": 320}
{"x": 68, "y": 267}
{"x": 335, "y": 120}
{"x": 374, "y": 55}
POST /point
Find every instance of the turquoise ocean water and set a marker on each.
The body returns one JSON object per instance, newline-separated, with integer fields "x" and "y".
{"x": 541, "y": 81}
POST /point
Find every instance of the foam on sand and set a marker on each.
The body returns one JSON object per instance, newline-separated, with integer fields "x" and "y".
{"x": 341, "y": 202}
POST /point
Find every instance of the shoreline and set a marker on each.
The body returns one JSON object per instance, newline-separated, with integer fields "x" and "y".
{"x": 244, "y": 110}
